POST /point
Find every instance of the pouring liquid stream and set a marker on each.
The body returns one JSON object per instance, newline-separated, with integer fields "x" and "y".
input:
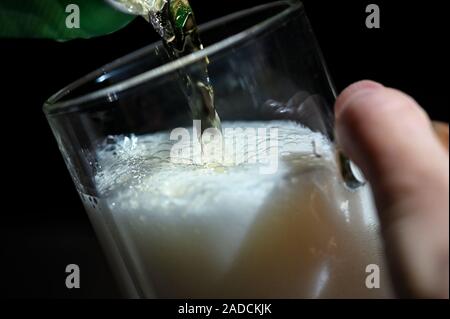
{"x": 175, "y": 22}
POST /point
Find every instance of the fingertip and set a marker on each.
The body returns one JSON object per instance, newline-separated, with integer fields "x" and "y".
{"x": 360, "y": 87}
{"x": 374, "y": 120}
{"x": 389, "y": 136}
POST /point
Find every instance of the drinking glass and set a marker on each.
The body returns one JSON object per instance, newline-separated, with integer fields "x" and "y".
{"x": 282, "y": 220}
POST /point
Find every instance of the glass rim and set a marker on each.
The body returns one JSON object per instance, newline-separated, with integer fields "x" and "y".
{"x": 52, "y": 106}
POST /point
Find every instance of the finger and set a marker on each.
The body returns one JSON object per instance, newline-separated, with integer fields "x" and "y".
{"x": 391, "y": 138}
{"x": 442, "y": 132}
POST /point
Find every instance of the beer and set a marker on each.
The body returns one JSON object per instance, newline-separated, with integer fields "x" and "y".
{"x": 226, "y": 229}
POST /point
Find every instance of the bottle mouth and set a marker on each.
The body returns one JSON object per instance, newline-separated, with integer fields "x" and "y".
{"x": 137, "y": 8}
{"x": 62, "y": 102}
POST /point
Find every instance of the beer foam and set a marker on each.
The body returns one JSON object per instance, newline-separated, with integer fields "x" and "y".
{"x": 144, "y": 163}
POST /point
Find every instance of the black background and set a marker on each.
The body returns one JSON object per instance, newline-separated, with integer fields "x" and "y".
{"x": 43, "y": 226}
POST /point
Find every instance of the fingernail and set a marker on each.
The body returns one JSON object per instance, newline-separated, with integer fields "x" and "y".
{"x": 361, "y": 87}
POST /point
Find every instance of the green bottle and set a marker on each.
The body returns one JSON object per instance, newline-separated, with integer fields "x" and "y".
{"x": 69, "y": 19}
{"x": 50, "y": 19}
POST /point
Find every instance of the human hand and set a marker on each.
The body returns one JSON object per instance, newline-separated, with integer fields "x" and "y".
{"x": 388, "y": 135}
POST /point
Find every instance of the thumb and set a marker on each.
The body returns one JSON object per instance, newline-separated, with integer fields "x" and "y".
{"x": 388, "y": 135}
